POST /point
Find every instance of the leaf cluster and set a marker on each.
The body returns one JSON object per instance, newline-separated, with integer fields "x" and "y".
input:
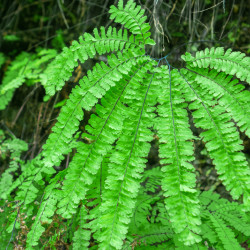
{"x": 133, "y": 98}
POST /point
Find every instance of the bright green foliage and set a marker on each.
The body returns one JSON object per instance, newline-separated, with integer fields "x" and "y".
{"x": 11, "y": 75}
{"x": 91, "y": 87}
{"x": 176, "y": 151}
{"x": 231, "y": 95}
{"x": 221, "y": 220}
{"x": 232, "y": 63}
{"x": 132, "y": 98}
{"x": 126, "y": 165}
{"x": 88, "y": 46}
{"x": 82, "y": 236}
{"x": 12, "y": 147}
{"x": 26, "y": 68}
{"x": 225, "y": 219}
{"x": 46, "y": 210}
{"x": 132, "y": 17}
{"x": 10, "y": 151}
{"x": 221, "y": 137}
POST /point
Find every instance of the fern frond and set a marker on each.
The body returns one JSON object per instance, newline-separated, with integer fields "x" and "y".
{"x": 11, "y": 74}
{"x": 16, "y": 147}
{"x": 25, "y": 67}
{"x": 225, "y": 234}
{"x": 46, "y": 211}
{"x": 153, "y": 179}
{"x": 232, "y": 63}
{"x": 132, "y": 17}
{"x": 104, "y": 130}
{"x": 222, "y": 140}
{"x": 229, "y": 93}
{"x": 176, "y": 151}
{"x": 28, "y": 66}
{"x": 126, "y": 165}
{"x": 154, "y": 235}
{"x": 82, "y": 236}
{"x": 230, "y": 212}
{"x": 94, "y": 198}
{"x": 84, "y": 96}
{"x": 105, "y": 194}
{"x": 27, "y": 190}
{"x": 60, "y": 70}
{"x": 93, "y": 86}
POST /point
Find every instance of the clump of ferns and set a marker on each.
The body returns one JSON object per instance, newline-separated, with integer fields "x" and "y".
{"x": 133, "y": 93}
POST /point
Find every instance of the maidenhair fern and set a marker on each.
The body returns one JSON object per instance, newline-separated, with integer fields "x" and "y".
{"x": 12, "y": 147}
{"x": 132, "y": 98}
{"x": 223, "y": 224}
{"x": 26, "y": 67}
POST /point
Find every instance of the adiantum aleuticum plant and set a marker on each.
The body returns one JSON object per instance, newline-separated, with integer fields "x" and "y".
{"x": 150, "y": 227}
{"x": 135, "y": 96}
{"x": 25, "y": 68}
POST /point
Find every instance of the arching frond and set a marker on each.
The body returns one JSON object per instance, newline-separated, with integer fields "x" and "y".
{"x": 24, "y": 67}
{"x": 222, "y": 140}
{"x": 176, "y": 151}
{"x": 104, "y": 129}
{"x": 126, "y": 165}
{"x": 232, "y": 63}
{"x": 132, "y": 17}
{"x": 85, "y": 96}
{"x": 229, "y": 93}
{"x": 60, "y": 70}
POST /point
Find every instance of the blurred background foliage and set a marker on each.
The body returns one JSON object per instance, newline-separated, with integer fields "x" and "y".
{"x": 27, "y": 24}
{"x": 31, "y": 29}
